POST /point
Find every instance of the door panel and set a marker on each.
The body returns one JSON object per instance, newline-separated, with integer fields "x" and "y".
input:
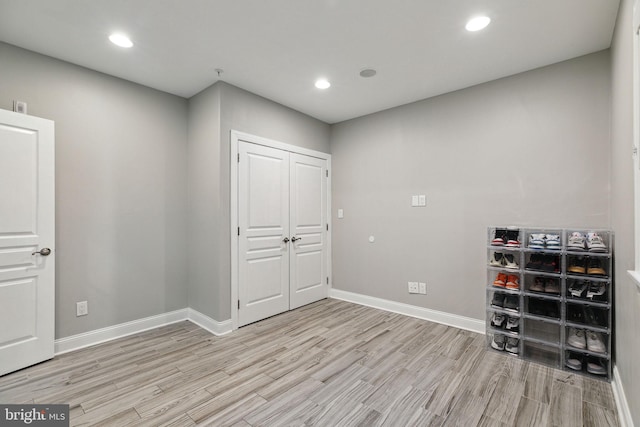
{"x": 263, "y": 219}
{"x": 308, "y": 224}
{"x": 27, "y": 280}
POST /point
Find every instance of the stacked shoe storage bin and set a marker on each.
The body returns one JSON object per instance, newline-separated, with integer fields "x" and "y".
{"x": 549, "y": 297}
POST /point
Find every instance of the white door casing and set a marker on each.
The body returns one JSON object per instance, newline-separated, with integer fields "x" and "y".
{"x": 263, "y": 206}
{"x": 310, "y": 258}
{"x": 27, "y": 229}
{"x": 308, "y": 212}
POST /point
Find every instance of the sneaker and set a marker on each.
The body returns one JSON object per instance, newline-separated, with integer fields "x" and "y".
{"x": 512, "y": 303}
{"x": 577, "y": 265}
{"x": 513, "y": 324}
{"x": 595, "y": 267}
{"x": 536, "y": 241}
{"x": 552, "y": 242}
{"x": 574, "y": 361}
{"x": 595, "y": 342}
{"x": 538, "y": 285}
{"x": 512, "y": 282}
{"x": 595, "y": 243}
{"x": 535, "y": 262}
{"x": 577, "y": 288}
{"x": 550, "y": 263}
{"x": 576, "y": 242}
{"x": 510, "y": 261}
{"x": 497, "y": 320}
{"x": 596, "y": 289}
{"x": 512, "y": 345}
{"x": 501, "y": 280}
{"x": 498, "y": 342}
{"x": 575, "y": 313}
{"x": 496, "y": 260}
{"x": 499, "y": 237}
{"x": 497, "y": 300}
{"x": 576, "y": 338}
{"x": 595, "y": 317}
{"x": 596, "y": 366}
{"x": 536, "y": 307}
{"x": 551, "y": 286}
{"x": 512, "y": 238}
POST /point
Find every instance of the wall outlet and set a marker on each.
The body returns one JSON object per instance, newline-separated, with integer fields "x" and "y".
{"x": 423, "y": 288}
{"x": 82, "y": 308}
{"x": 413, "y": 288}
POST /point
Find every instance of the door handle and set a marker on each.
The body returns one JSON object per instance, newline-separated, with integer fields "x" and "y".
{"x": 286, "y": 240}
{"x": 43, "y": 252}
{"x": 294, "y": 238}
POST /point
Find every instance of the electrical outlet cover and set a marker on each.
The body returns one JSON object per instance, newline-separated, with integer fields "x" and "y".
{"x": 423, "y": 288}
{"x": 413, "y": 288}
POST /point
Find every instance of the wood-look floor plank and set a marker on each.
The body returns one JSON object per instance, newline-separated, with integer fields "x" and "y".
{"x": 329, "y": 363}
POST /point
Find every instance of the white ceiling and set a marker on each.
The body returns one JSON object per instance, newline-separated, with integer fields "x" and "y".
{"x": 278, "y": 48}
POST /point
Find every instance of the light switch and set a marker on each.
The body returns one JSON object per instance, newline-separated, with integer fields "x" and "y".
{"x": 415, "y": 201}
{"x": 423, "y": 200}
{"x": 340, "y": 213}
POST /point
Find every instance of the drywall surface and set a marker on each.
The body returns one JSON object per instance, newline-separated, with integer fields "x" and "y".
{"x": 226, "y": 107}
{"x": 627, "y": 296}
{"x": 529, "y": 150}
{"x": 120, "y": 188}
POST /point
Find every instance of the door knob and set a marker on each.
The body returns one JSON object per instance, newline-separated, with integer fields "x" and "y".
{"x": 294, "y": 238}
{"x": 43, "y": 252}
{"x": 286, "y": 240}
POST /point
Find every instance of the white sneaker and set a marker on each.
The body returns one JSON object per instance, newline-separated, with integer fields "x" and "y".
{"x": 595, "y": 243}
{"x": 576, "y": 241}
{"x": 576, "y": 338}
{"x": 595, "y": 342}
{"x": 553, "y": 241}
{"x": 536, "y": 241}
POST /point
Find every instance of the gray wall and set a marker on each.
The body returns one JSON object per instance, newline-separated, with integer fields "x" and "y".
{"x": 120, "y": 188}
{"x": 530, "y": 150}
{"x": 237, "y": 109}
{"x": 627, "y": 338}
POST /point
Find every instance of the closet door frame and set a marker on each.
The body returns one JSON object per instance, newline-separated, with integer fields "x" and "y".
{"x": 236, "y": 137}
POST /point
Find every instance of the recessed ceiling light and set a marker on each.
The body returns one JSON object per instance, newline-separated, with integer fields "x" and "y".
{"x": 368, "y": 72}
{"x": 323, "y": 84}
{"x": 477, "y": 23}
{"x": 120, "y": 40}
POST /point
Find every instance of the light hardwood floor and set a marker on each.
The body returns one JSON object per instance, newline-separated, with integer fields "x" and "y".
{"x": 330, "y": 363}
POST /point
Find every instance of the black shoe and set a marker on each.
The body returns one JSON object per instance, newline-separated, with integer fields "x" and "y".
{"x": 512, "y": 303}
{"x": 574, "y": 361}
{"x": 577, "y": 265}
{"x": 535, "y": 262}
{"x": 497, "y": 320}
{"x": 577, "y": 288}
{"x": 575, "y": 314}
{"x": 595, "y": 317}
{"x": 595, "y": 267}
{"x": 536, "y": 307}
{"x": 497, "y": 300}
{"x": 512, "y": 238}
{"x": 550, "y": 263}
{"x": 499, "y": 237}
{"x": 552, "y": 310}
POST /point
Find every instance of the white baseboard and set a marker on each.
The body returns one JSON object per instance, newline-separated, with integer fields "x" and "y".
{"x": 211, "y": 325}
{"x": 448, "y": 319}
{"x": 98, "y": 336}
{"x": 624, "y": 412}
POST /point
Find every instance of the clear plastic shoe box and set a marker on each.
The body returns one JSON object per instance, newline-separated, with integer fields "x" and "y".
{"x": 565, "y": 284}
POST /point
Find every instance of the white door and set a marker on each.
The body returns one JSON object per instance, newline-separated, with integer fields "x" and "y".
{"x": 308, "y": 210}
{"x": 263, "y": 220}
{"x": 27, "y": 260}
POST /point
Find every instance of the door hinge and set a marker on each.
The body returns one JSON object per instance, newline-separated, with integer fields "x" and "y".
{"x": 327, "y": 280}
{"x": 327, "y": 171}
{"x": 238, "y": 157}
{"x": 327, "y": 226}
{"x": 238, "y": 231}
{"x": 238, "y": 304}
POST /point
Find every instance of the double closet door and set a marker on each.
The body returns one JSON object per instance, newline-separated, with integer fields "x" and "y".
{"x": 282, "y": 219}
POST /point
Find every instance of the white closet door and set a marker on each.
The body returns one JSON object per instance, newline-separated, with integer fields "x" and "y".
{"x": 27, "y": 260}
{"x": 308, "y": 230}
{"x": 263, "y": 219}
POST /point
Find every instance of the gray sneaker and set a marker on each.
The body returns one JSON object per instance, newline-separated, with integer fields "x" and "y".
{"x": 512, "y": 345}
{"x": 574, "y": 361}
{"x": 498, "y": 342}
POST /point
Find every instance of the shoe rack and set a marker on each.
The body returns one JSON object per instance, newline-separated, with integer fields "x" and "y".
{"x": 549, "y": 297}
